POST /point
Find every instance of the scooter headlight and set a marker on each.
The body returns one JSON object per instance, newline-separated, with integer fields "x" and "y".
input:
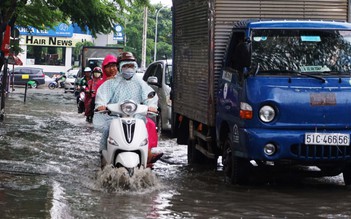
{"x": 128, "y": 107}
{"x": 267, "y": 113}
{"x": 145, "y": 142}
{"x": 112, "y": 141}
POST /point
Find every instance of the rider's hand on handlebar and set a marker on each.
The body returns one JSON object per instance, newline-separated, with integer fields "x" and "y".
{"x": 101, "y": 108}
{"x": 152, "y": 109}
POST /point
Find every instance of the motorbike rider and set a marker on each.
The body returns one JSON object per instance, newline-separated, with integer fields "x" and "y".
{"x": 82, "y": 84}
{"x": 90, "y": 93}
{"x": 60, "y": 80}
{"x": 108, "y": 72}
{"x": 123, "y": 87}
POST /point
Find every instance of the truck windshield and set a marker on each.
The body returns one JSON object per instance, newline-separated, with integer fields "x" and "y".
{"x": 310, "y": 51}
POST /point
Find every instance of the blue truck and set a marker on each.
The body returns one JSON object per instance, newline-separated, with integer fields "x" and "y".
{"x": 274, "y": 95}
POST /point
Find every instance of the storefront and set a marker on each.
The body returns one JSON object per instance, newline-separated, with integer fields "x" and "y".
{"x": 51, "y": 50}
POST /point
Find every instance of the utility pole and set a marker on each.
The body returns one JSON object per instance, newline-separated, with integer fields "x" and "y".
{"x": 5, "y": 49}
{"x": 143, "y": 48}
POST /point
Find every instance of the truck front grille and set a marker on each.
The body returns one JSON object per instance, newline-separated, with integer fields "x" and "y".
{"x": 321, "y": 152}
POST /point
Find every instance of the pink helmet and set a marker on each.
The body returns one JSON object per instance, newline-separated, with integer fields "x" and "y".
{"x": 97, "y": 69}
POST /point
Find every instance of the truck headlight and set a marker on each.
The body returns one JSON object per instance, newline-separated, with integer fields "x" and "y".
{"x": 267, "y": 113}
{"x": 128, "y": 107}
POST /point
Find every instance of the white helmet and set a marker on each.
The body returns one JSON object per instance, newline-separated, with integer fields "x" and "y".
{"x": 87, "y": 69}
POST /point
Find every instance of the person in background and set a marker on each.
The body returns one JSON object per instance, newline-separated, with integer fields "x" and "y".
{"x": 82, "y": 84}
{"x": 60, "y": 79}
{"x": 123, "y": 87}
{"x": 90, "y": 93}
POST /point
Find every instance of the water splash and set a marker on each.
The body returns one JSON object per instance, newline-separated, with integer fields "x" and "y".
{"x": 118, "y": 179}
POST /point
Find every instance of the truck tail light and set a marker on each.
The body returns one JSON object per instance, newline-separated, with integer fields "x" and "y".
{"x": 245, "y": 111}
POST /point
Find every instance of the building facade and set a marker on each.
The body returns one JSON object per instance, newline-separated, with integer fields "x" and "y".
{"x": 51, "y": 50}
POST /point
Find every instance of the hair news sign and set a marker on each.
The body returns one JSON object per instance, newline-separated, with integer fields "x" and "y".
{"x": 49, "y": 41}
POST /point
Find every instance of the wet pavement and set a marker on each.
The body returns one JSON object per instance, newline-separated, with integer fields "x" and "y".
{"x": 49, "y": 168}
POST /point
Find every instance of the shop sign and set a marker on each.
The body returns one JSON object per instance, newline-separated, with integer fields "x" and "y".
{"x": 119, "y": 33}
{"x": 61, "y": 30}
{"x": 49, "y": 41}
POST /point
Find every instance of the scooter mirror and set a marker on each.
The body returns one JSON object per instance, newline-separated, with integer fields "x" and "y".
{"x": 152, "y": 80}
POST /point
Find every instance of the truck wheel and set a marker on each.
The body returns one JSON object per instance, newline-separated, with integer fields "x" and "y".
{"x": 347, "y": 175}
{"x": 227, "y": 159}
{"x": 236, "y": 169}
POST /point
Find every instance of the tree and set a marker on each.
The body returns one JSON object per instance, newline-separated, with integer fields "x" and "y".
{"x": 99, "y": 16}
{"x": 164, "y": 38}
{"x": 133, "y": 26}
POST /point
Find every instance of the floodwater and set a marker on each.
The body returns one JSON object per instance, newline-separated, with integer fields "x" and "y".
{"x": 49, "y": 168}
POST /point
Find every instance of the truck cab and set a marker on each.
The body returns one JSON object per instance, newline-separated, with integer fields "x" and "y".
{"x": 284, "y": 98}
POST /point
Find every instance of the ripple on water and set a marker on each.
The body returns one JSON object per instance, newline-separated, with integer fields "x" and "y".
{"x": 117, "y": 179}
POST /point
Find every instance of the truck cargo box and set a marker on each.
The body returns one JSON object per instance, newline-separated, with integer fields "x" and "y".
{"x": 200, "y": 33}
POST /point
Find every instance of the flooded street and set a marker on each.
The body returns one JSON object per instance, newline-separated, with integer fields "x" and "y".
{"x": 50, "y": 168}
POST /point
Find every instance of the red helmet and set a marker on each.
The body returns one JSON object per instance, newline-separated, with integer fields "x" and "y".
{"x": 97, "y": 69}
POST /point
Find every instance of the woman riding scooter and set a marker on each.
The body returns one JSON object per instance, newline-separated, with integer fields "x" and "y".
{"x": 124, "y": 86}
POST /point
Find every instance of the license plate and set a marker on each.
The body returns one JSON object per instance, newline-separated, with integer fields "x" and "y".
{"x": 336, "y": 139}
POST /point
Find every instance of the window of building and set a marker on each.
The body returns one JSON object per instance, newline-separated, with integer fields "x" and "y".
{"x": 46, "y": 55}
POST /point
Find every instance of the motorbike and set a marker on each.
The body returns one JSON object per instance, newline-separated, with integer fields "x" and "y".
{"x": 127, "y": 143}
{"x": 54, "y": 84}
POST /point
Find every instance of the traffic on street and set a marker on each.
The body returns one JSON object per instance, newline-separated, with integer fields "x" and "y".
{"x": 50, "y": 168}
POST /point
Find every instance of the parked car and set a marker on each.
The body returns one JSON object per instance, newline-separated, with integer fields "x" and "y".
{"x": 71, "y": 76}
{"x": 158, "y": 75}
{"x": 24, "y": 74}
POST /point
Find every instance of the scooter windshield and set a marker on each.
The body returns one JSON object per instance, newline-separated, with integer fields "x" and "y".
{"x": 287, "y": 51}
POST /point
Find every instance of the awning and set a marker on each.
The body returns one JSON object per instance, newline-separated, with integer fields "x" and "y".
{"x": 14, "y": 60}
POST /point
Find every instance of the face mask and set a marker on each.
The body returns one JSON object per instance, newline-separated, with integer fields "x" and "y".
{"x": 97, "y": 75}
{"x": 128, "y": 73}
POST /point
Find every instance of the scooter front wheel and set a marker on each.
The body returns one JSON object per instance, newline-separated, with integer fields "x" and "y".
{"x": 130, "y": 171}
{"x": 51, "y": 86}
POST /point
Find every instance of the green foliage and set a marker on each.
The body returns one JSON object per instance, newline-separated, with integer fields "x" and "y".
{"x": 133, "y": 27}
{"x": 98, "y": 16}
{"x": 77, "y": 50}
